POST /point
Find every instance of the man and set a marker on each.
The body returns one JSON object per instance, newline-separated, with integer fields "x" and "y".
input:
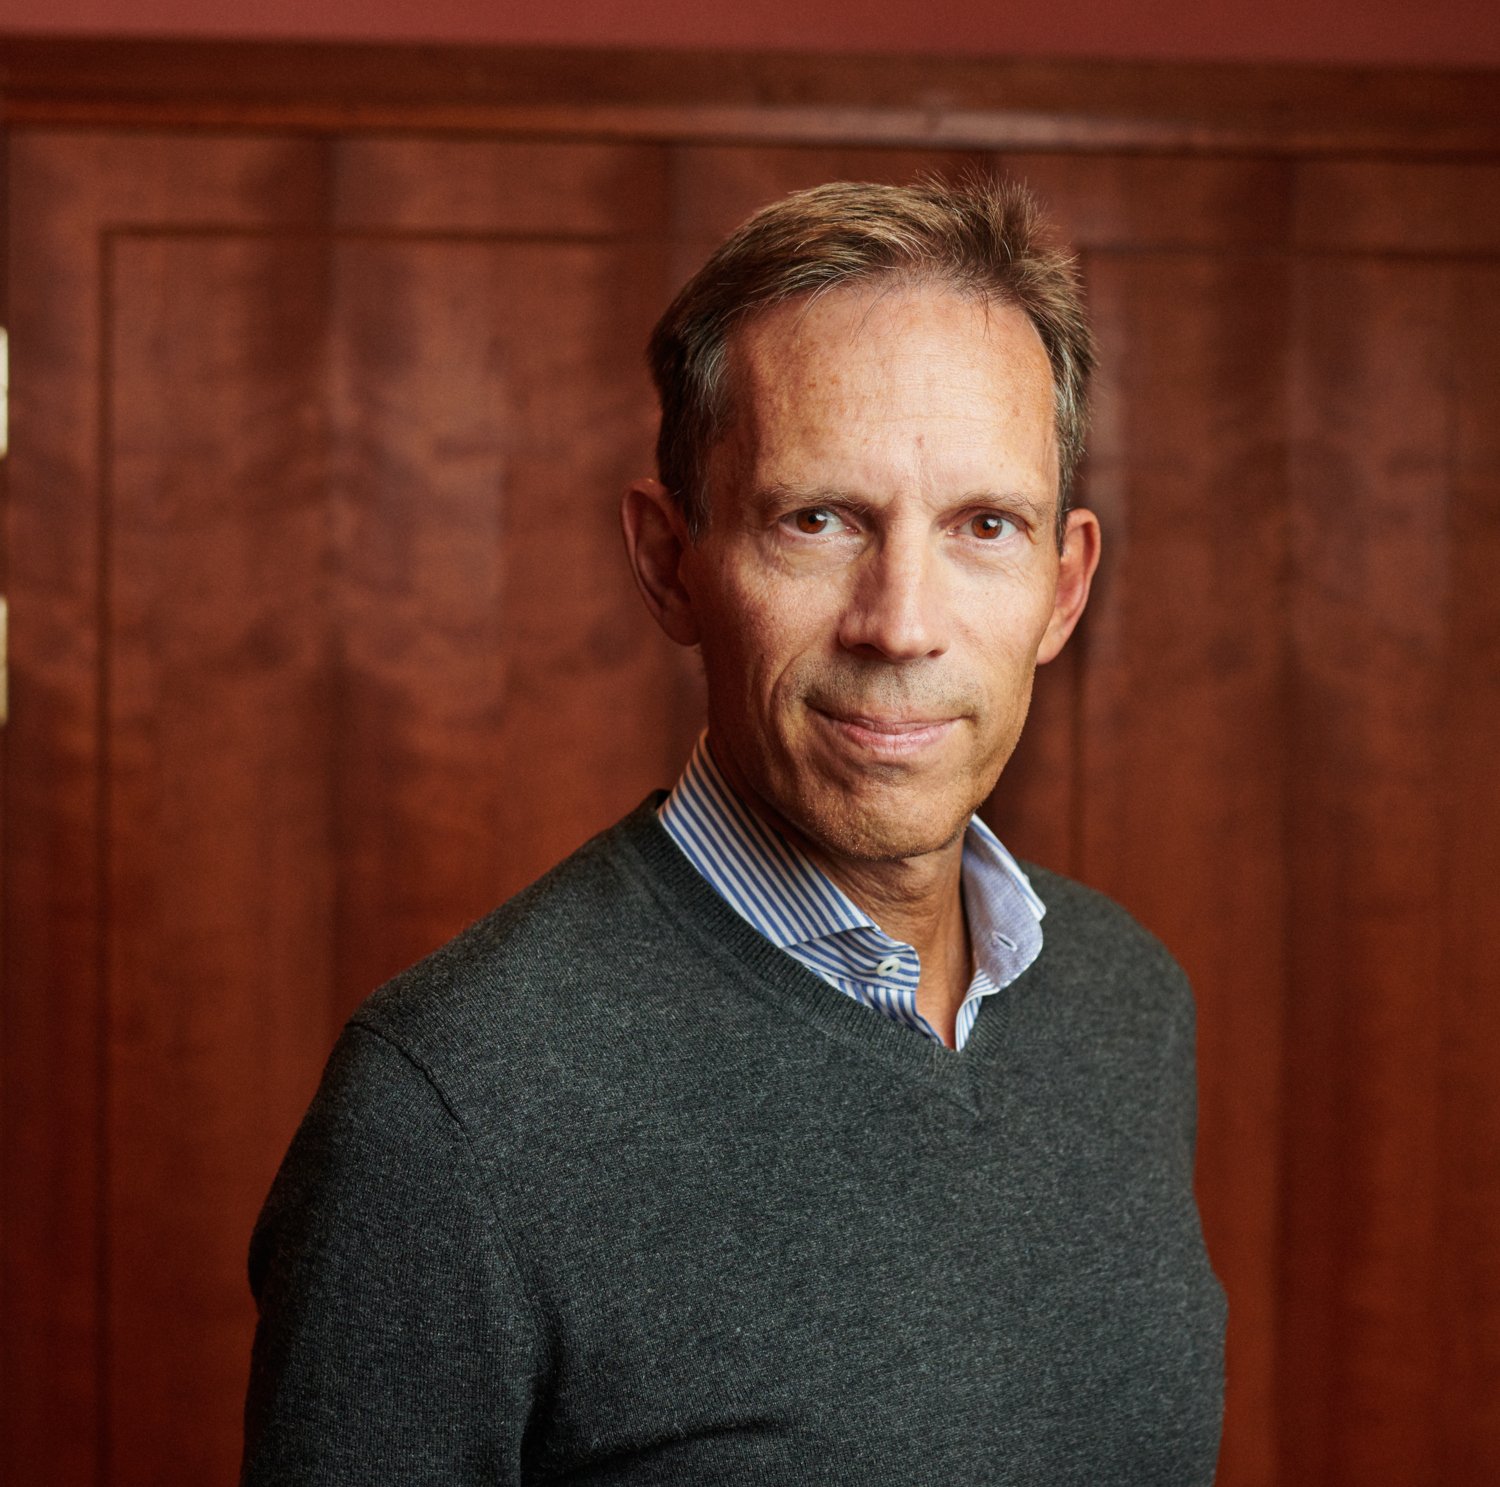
{"x": 776, "y": 1137}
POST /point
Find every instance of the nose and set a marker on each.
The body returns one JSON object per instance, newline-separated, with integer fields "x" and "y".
{"x": 897, "y": 608}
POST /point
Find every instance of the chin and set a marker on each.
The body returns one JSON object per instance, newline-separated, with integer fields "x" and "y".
{"x": 884, "y": 831}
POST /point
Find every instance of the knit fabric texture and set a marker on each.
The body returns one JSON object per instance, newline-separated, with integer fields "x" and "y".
{"x": 611, "y": 1190}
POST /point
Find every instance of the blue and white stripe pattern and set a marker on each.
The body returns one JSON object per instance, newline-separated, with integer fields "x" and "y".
{"x": 768, "y": 882}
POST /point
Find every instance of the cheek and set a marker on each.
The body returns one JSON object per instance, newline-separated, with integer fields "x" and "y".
{"x": 767, "y": 630}
{"x": 1004, "y": 650}
{"x": 743, "y": 654}
{"x": 1019, "y": 612}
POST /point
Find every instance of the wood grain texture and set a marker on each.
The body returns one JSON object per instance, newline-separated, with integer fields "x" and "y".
{"x": 898, "y": 102}
{"x": 1397, "y": 206}
{"x": 219, "y": 877}
{"x": 1365, "y": 1088}
{"x": 487, "y": 186}
{"x": 1134, "y": 203}
{"x": 345, "y": 577}
{"x": 503, "y": 697}
{"x": 347, "y": 712}
{"x": 1468, "y": 802}
{"x": 1181, "y": 758}
{"x": 64, "y": 193}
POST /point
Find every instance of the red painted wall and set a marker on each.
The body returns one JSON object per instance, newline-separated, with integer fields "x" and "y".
{"x": 1443, "y": 33}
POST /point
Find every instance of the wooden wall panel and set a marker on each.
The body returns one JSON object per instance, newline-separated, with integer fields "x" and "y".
{"x": 1182, "y": 758}
{"x": 1391, "y": 1124}
{"x": 430, "y": 184}
{"x": 1398, "y": 206}
{"x": 66, "y": 190}
{"x": 715, "y": 187}
{"x": 347, "y": 709}
{"x": 520, "y": 375}
{"x": 219, "y": 880}
{"x": 1182, "y": 201}
{"x": 346, "y": 579}
{"x": 1467, "y": 974}
{"x": 502, "y": 694}
{"x": 1370, "y": 414}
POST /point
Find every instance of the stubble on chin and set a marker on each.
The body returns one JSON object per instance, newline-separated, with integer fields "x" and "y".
{"x": 886, "y": 822}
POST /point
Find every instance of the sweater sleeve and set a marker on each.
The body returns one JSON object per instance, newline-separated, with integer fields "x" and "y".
{"x": 395, "y": 1342}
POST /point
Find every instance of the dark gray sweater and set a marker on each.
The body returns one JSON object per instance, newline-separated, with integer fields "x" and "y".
{"x": 610, "y": 1190}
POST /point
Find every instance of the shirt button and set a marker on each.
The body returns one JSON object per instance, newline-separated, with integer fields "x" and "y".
{"x": 889, "y": 966}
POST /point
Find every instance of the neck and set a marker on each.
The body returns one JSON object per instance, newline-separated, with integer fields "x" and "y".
{"x": 918, "y": 900}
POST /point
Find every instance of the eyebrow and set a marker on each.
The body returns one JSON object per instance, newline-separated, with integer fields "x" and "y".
{"x": 778, "y": 493}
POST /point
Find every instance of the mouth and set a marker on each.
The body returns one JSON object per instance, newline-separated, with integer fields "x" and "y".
{"x": 887, "y": 736}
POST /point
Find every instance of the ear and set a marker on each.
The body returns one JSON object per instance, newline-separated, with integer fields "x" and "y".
{"x": 1080, "y": 557}
{"x": 656, "y": 538}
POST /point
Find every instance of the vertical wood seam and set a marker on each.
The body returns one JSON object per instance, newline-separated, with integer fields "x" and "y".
{"x": 102, "y": 795}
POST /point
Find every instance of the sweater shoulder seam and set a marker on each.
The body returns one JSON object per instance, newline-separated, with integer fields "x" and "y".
{"x": 501, "y": 1236}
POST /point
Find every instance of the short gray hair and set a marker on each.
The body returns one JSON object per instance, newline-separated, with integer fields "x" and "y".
{"x": 984, "y": 237}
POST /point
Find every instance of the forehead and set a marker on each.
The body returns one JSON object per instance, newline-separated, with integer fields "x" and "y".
{"x": 891, "y": 377}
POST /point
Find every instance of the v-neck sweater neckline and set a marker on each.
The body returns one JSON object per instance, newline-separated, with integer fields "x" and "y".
{"x": 772, "y": 974}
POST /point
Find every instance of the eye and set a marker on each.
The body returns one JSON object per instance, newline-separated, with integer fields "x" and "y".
{"x": 815, "y": 521}
{"x": 990, "y": 525}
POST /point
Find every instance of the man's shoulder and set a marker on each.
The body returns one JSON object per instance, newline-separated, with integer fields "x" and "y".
{"x": 1094, "y": 943}
{"x": 1087, "y": 912}
{"x": 592, "y": 925}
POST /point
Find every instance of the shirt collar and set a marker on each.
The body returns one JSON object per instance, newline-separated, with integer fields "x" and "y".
{"x": 768, "y": 880}
{"x": 793, "y": 902}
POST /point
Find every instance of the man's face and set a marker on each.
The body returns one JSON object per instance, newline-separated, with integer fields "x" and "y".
{"x": 879, "y": 575}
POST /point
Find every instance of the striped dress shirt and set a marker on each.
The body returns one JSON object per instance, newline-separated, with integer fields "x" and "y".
{"x": 795, "y": 905}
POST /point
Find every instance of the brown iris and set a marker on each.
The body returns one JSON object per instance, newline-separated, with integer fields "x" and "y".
{"x": 814, "y": 520}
